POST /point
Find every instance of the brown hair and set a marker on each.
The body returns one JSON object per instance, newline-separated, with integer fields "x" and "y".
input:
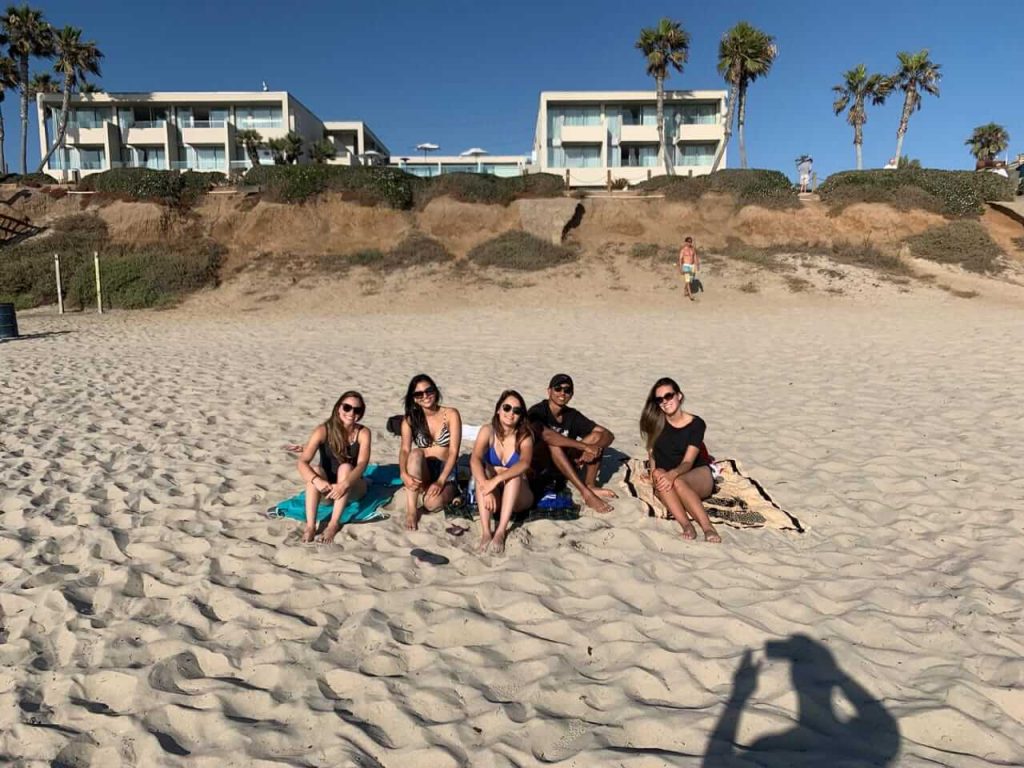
{"x": 652, "y": 420}
{"x": 522, "y": 428}
{"x": 338, "y": 438}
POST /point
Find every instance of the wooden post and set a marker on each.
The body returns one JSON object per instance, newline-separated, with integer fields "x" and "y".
{"x": 648, "y": 174}
{"x": 814, "y": 181}
{"x": 609, "y": 180}
{"x": 99, "y": 287}
{"x": 567, "y": 178}
{"x": 60, "y": 288}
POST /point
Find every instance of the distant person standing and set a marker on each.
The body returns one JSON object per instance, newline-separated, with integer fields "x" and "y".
{"x": 804, "y": 167}
{"x": 689, "y": 263}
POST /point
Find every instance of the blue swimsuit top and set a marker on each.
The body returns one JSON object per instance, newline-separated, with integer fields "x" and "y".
{"x": 494, "y": 461}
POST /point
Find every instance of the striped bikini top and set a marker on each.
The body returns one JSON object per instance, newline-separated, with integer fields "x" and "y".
{"x": 444, "y": 438}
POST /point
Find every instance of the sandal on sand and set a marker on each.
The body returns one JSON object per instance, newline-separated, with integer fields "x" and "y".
{"x": 429, "y": 557}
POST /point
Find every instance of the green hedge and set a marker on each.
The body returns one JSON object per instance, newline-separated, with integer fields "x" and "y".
{"x": 133, "y": 277}
{"x": 369, "y": 185}
{"x": 520, "y": 251}
{"x": 770, "y": 189}
{"x": 966, "y": 243}
{"x": 489, "y": 189}
{"x": 27, "y": 179}
{"x": 168, "y": 187}
{"x": 953, "y": 193}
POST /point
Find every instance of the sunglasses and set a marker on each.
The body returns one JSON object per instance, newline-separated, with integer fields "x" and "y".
{"x": 419, "y": 394}
{"x": 565, "y": 389}
{"x": 666, "y": 398}
{"x": 513, "y": 409}
{"x": 358, "y": 409}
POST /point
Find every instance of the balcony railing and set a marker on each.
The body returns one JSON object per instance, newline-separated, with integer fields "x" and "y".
{"x": 76, "y": 124}
{"x": 203, "y": 124}
{"x": 255, "y": 122}
{"x": 155, "y": 165}
{"x": 199, "y": 165}
{"x": 56, "y": 164}
{"x": 147, "y": 124}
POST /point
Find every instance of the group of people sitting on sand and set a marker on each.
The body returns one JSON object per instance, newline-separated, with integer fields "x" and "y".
{"x": 516, "y": 456}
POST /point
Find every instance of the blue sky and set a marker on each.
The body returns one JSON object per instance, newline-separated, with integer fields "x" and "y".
{"x": 468, "y": 73}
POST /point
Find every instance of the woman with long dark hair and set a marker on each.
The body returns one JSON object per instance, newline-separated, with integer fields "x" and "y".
{"x": 431, "y": 438}
{"x": 680, "y": 471}
{"x": 344, "y": 447}
{"x": 501, "y": 458}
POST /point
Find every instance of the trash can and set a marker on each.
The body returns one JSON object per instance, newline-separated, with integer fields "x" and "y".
{"x": 8, "y": 322}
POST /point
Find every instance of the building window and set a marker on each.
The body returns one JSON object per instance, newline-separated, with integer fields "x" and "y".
{"x": 577, "y": 115}
{"x": 698, "y": 114}
{"x": 640, "y": 114}
{"x": 583, "y": 156}
{"x": 258, "y": 117}
{"x": 639, "y": 155}
{"x": 695, "y": 154}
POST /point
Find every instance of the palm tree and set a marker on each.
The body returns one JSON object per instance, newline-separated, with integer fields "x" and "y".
{"x": 745, "y": 53}
{"x": 916, "y": 74}
{"x": 252, "y": 141}
{"x": 857, "y": 87}
{"x": 74, "y": 60}
{"x": 8, "y": 80}
{"x": 90, "y": 88}
{"x": 987, "y": 141}
{"x": 26, "y": 34}
{"x": 277, "y": 148}
{"x": 322, "y": 151}
{"x": 665, "y": 47}
{"x": 293, "y": 144}
{"x": 42, "y": 82}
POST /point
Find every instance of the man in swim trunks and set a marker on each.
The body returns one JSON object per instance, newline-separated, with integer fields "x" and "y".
{"x": 689, "y": 263}
{"x": 567, "y": 441}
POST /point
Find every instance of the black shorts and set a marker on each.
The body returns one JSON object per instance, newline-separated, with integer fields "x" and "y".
{"x": 435, "y": 467}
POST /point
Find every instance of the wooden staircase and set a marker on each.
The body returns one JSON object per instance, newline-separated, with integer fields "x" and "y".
{"x": 14, "y": 230}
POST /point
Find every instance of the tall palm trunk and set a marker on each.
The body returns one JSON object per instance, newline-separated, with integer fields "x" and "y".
{"x": 741, "y": 119}
{"x": 729, "y": 107}
{"x": 858, "y": 144}
{"x": 902, "y": 131}
{"x": 3, "y": 152}
{"x": 24, "y": 114}
{"x": 662, "y": 149}
{"x": 62, "y": 125}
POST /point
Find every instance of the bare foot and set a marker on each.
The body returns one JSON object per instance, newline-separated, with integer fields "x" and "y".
{"x": 604, "y": 493}
{"x": 498, "y": 544}
{"x": 308, "y": 533}
{"x": 485, "y": 542}
{"x": 689, "y": 533}
{"x": 711, "y": 536}
{"x": 327, "y": 537}
{"x": 595, "y": 502}
{"x": 412, "y": 520}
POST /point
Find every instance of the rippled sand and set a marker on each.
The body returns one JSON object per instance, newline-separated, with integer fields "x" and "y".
{"x": 151, "y": 614}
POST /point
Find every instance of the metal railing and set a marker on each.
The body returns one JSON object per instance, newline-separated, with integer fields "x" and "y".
{"x": 203, "y": 124}
{"x": 199, "y": 165}
{"x": 155, "y": 165}
{"x": 56, "y": 164}
{"x": 255, "y": 122}
{"x": 146, "y": 124}
{"x": 77, "y": 124}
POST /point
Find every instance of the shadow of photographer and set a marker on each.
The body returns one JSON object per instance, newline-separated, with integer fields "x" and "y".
{"x": 870, "y": 738}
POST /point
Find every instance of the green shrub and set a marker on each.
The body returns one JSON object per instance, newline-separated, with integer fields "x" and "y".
{"x": 488, "y": 189}
{"x": 415, "y": 250}
{"x": 966, "y": 243}
{"x": 867, "y": 255}
{"x": 768, "y": 189}
{"x": 953, "y": 193}
{"x": 167, "y": 187}
{"x": 522, "y": 251}
{"x": 367, "y": 185}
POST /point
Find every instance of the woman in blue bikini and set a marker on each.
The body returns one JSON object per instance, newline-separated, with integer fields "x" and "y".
{"x": 344, "y": 447}
{"x": 501, "y": 458}
{"x": 431, "y": 438}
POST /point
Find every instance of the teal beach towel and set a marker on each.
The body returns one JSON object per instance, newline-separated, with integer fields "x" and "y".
{"x": 381, "y": 483}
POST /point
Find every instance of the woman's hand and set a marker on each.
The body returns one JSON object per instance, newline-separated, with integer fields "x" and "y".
{"x": 435, "y": 489}
{"x": 412, "y": 483}
{"x": 487, "y": 487}
{"x": 662, "y": 479}
{"x": 338, "y": 490}
{"x": 487, "y": 502}
{"x": 319, "y": 484}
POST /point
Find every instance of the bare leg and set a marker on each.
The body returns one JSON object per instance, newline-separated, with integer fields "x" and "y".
{"x": 590, "y": 470}
{"x": 415, "y": 467}
{"x": 485, "y": 516}
{"x": 355, "y": 491}
{"x": 312, "y": 502}
{"x": 565, "y": 465}
{"x": 432, "y": 504}
{"x": 691, "y": 488}
{"x": 675, "y": 508}
{"x": 515, "y": 497}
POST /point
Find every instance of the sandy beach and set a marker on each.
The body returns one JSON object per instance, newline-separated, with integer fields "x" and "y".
{"x": 152, "y": 615}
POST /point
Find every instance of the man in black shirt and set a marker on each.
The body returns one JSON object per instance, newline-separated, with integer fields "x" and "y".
{"x": 568, "y": 441}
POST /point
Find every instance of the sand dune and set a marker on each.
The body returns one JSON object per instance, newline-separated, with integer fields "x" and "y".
{"x": 152, "y": 615}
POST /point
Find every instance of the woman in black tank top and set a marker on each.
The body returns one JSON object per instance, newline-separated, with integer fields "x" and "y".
{"x": 343, "y": 445}
{"x": 680, "y": 471}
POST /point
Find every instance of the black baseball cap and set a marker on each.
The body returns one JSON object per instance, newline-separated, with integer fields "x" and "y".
{"x": 559, "y": 379}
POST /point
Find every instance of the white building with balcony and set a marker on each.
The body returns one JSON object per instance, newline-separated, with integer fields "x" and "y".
{"x": 176, "y": 130}
{"x": 594, "y": 137}
{"x": 503, "y": 166}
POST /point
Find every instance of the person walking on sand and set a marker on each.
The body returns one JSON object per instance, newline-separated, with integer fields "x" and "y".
{"x": 431, "y": 438}
{"x": 689, "y": 263}
{"x": 344, "y": 447}
{"x": 681, "y": 474}
{"x": 568, "y": 441}
{"x": 500, "y": 460}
